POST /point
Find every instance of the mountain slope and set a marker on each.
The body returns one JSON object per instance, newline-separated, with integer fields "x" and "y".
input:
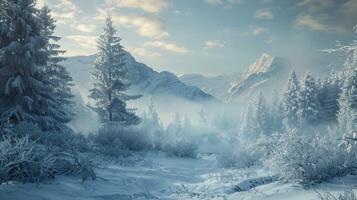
{"x": 265, "y": 74}
{"x": 144, "y": 80}
{"x": 217, "y": 86}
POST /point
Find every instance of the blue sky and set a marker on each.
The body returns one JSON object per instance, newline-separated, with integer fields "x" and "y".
{"x": 209, "y": 36}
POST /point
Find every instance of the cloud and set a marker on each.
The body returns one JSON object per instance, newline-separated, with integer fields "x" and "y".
{"x": 89, "y": 42}
{"x": 258, "y": 30}
{"x": 316, "y": 5}
{"x": 214, "y": 2}
{"x": 148, "y": 26}
{"x": 152, "y": 6}
{"x": 65, "y": 12}
{"x": 270, "y": 40}
{"x": 90, "y": 28}
{"x": 142, "y": 52}
{"x": 264, "y": 13}
{"x": 211, "y": 44}
{"x": 316, "y": 24}
{"x": 222, "y": 2}
{"x": 167, "y": 46}
{"x": 40, "y": 3}
{"x": 349, "y": 9}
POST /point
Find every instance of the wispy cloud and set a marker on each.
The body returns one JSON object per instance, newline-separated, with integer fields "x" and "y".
{"x": 152, "y": 6}
{"x": 316, "y": 5}
{"x": 258, "y": 30}
{"x": 167, "y": 46}
{"x": 211, "y": 44}
{"x": 264, "y": 13}
{"x": 144, "y": 53}
{"x": 316, "y": 24}
{"x": 86, "y": 28}
{"x": 145, "y": 25}
{"x": 222, "y": 2}
{"x": 270, "y": 40}
{"x": 89, "y": 42}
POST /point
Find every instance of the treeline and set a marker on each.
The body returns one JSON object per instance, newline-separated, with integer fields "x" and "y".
{"x": 308, "y": 133}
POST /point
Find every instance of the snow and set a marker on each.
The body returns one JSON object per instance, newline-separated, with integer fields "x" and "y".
{"x": 155, "y": 176}
{"x": 144, "y": 79}
{"x": 265, "y": 74}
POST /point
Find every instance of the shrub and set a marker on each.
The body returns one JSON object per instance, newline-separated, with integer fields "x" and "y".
{"x": 117, "y": 140}
{"x": 180, "y": 148}
{"x": 238, "y": 157}
{"x": 310, "y": 159}
{"x": 64, "y": 138}
{"x": 347, "y": 195}
{"x": 23, "y": 160}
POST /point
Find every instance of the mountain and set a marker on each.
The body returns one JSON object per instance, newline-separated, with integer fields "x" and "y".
{"x": 217, "y": 86}
{"x": 143, "y": 79}
{"x": 266, "y": 74}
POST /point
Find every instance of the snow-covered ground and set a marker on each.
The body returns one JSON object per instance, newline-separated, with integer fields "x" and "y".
{"x": 155, "y": 176}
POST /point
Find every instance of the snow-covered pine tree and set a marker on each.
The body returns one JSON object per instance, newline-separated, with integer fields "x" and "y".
{"x": 328, "y": 95}
{"x": 276, "y": 114}
{"x": 262, "y": 115}
{"x": 309, "y": 107}
{"x": 347, "y": 115}
{"x": 256, "y": 122}
{"x": 56, "y": 74}
{"x": 291, "y": 101}
{"x": 24, "y": 94}
{"x": 109, "y": 80}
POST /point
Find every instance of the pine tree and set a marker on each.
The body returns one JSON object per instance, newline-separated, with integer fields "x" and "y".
{"x": 109, "y": 80}
{"x": 328, "y": 95}
{"x": 55, "y": 73}
{"x": 256, "y": 119}
{"x": 24, "y": 94}
{"x": 262, "y": 116}
{"x": 347, "y": 115}
{"x": 276, "y": 114}
{"x": 309, "y": 106}
{"x": 291, "y": 100}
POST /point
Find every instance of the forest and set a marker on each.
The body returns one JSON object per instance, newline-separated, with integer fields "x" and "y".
{"x": 299, "y": 139}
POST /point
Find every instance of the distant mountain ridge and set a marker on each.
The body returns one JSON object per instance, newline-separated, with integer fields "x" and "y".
{"x": 266, "y": 74}
{"x": 144, "y": 80}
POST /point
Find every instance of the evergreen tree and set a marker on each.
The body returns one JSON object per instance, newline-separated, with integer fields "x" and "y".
{"x": 328, "y": 95}
{"x": 347, "y": 115}
{"x": 309, "y": 106}
{"x": 291, "y": 100}
{"x": 24, "y": 94}
{"x": 56, "y": 74}
{"x": 109, "y": 80}
{"x": 256, "y": 119}
{"x": 276, "y": 115}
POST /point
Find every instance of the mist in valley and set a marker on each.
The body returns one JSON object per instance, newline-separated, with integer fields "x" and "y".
{"x": 110, "y": 107}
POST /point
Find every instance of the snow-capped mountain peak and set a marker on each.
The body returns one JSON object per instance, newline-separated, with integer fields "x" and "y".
{"x": 265, "y": 74}
{"x": 144, "y": 80}
{"x": 261, "y": 65}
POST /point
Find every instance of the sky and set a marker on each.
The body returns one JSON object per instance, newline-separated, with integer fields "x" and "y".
{"x": 209, "y": 37}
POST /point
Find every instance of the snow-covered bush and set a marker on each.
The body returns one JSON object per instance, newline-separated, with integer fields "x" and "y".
{"x": 180, "y": 148}
{"x": 62, "y": 138}
{"x": 23, "y": 160}
{"x": 310, "y": 159}
{"x": 115, "y": 140}
{"x": 238, "y": 155}
{"x": 239, "y": 158}
{"x": 347, "y": 195}
{"x": 178, "y": 138}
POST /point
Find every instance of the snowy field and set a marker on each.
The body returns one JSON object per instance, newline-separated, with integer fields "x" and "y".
{"x": 155, "y": 176}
